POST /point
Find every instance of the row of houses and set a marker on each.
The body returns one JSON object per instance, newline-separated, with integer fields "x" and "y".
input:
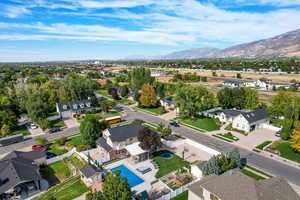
{"x": 264, "y": 85}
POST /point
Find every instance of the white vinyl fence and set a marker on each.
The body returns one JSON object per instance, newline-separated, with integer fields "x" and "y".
{"x": 61, "y": 157}
{"x": 177, "y": 192}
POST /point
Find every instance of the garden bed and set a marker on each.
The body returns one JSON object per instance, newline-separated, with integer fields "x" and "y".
{"x": 227, "y": 137}
{"x": 177, "y": 179}
{"x": 261, "y": 146}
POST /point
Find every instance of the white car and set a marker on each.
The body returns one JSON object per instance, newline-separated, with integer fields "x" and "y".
{"x": 33, "y": 126}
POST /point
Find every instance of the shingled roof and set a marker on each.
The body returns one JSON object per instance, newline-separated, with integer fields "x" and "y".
{"x": 250, "y": 116}
{"x": 122, "y": 133}
{"x": 233, "y": 185}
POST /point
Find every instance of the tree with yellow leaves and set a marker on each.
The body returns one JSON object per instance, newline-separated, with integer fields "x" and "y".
{"x": 148, "y": 96}
{"x": 295, "y": 140}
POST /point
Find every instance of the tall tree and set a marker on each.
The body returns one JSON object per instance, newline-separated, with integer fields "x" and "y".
{"x": 114, "y": 188}
{"x": 148, "y": 96}
{"x": 295, "y": 140}
{"x": 149, "y": 140}
{"x": 91, "y": 129}
{"x": 251, "y": 99}
{"x": 140, "y": 76}
{"x": 191, "y": 100}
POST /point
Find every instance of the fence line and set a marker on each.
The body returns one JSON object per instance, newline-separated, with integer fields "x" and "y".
{"x": 60, "y": 157}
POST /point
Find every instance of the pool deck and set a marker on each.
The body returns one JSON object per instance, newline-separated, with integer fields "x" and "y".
{"x": 148, "y": 177}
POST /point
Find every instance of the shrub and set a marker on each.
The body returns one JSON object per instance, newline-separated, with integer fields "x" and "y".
{"x": 41, "y": 141}
{"x": 44, "y": 124}
{"x": 62, "y": 140}
{"x": 82, "y": 147}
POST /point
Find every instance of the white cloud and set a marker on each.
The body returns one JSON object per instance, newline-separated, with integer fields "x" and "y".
{"x": 115, "y": 4}
{"x": 15, "y": 11}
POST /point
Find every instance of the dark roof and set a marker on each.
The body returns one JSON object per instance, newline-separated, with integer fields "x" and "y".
{"x": 169, "y": 100}
{"x": 122, "y": 133}
{"x": 31, "y": 155}
{"x": 74, "y": 105}
{"x": 233, "y": 82}
{"x": 102, "y": 143}
{"x": 255, "y": 115}
{"x": 15, "y": 169}
{"x": 233, "y": 185}
{"x": 250, "y": 116}
{"x": 231, "y": 112}
{"x": 89, "y": 170}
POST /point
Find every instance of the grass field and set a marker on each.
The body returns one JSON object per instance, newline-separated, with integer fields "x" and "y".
{"x": 20, "y": 130}
{"x": 182, "y": 196}
{"x": 287, "y": 152}
{"x": 66, "y": 190}
{"x": 75, "y": 140}
{"x": 262, "y": 145}
{"x": 206, "y": 124}
{"x": 56, "y": 172}
{"x": 57, "y": 124}
{"x": 168, "y": 165}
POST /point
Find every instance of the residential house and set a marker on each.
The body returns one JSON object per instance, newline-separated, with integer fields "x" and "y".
{"x": 245, "y": 120}
{"x": 19, "y": 174}
{"x": 265, "y": 85}
{"x": 234, "y": 185}
{"x": 92, "y": 176}
{"x": 167, "y": 103}
{"x": 68, "y": 109}
{"x": 112, "y": 144}
{"x": 233, "y": 83}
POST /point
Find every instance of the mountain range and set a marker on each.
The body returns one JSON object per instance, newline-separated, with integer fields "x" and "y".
{"x": 284, "y": 45}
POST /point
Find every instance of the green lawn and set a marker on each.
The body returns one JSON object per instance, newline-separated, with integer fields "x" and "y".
{"x": 125, "y": 101}
{"x": 168, "y": 165}
{"x": 57, "y": 149}
{"x": 262, "y": 145}
{"x": 153, "y": 111}
{"x": 20, "y": 129}
{"x": 75, "y": 140}
{"x": 57, "y": 124}
{"x": 105, "y": 115}
{"x": 66, "y": 190}
{"x": 227, "y": 137}
{"x": 56, "y": 172}
{"x": 104, "y": 93}
{"x": 277, "y": 122}
{"x": 251, "y": 174}
{"x": 182, "y": 196}
{"x": 75, "y": 162}
{"x": 206, "y": 124}
{"x": 287, "y": 152}
{"x": 52, "y": 114}
{"x": 259, "y": 171}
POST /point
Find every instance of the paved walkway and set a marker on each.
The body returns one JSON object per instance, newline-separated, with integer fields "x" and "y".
{"x": 169, "y": 115}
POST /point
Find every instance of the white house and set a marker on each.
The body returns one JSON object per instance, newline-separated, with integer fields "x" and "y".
{"x": 68, "y": 109}
{"x": 246, "y": 121}
{"x": 232, "y": 83}
{"x": 91, "y": 176}
{"x": 167, "y": 103}
{"x": 266, "y": 85}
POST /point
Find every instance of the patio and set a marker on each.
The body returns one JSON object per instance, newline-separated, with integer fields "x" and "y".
{"x": 191, "y": 153}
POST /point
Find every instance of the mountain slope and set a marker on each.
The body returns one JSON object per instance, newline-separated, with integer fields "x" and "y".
{"x": 192, "y": 53}
{"x": 287, "y": 44}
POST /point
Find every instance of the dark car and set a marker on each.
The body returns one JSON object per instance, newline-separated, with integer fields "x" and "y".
{"x": 175, "y": 124}
{"x": 50, "y": 155}
{"x": 278, "y": 133}
{"x": 54, "y": 130}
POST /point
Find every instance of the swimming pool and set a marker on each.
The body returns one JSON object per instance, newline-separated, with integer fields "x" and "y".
{"x": 132, "y": 178}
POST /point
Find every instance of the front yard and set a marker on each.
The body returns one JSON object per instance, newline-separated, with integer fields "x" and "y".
{"x": 59, "y": 149}
{"x": 20, "y": 130}
{"x": 227, "y": 137}
{"x": 286, "y": 151}
{"x": 167, "y": 165}
{"x": 57, "y": 124}
{"x": 201, "y": 124}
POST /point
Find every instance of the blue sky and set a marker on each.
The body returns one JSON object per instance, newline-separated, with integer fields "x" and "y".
{"x": 45, "y": 30}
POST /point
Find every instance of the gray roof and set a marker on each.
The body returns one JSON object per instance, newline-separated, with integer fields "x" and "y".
{"x": 89, "y": 170}
{"x": 16, "y": 169}
{"x": 102, "y": 143}
{"x": 74, "y": 105}
{"x": 233, "y": 185}
{"x": 250, "y": 116}
{"x": 122, "y": 133}
{"x": 255, "y": 115}
{"x": 31, "y": 155}
{"x": 169, "y": 100}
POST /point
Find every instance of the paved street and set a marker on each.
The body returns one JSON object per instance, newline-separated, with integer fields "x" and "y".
{"x": 264, "y": 163}
{"x": 30, "y": 142}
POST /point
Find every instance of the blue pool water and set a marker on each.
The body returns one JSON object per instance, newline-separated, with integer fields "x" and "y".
{"x": 132, "y": 178}
{"x": 167, "y": 155}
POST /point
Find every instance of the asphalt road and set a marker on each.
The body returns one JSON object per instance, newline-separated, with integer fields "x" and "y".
{"x": 266, "y": 164}
{"x": 30, "y": 142}
{"x": 269, "y": 165}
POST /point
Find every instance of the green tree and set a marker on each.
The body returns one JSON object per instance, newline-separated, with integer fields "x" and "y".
{"x": 140, "y": 76}
{"x": 191, "y": 100}
{"x": 251, "y": 99}
{"x": 148, "y": 96}
{"x": 124, "y": 91}
{"x": 41, "y": 141}
{"x": 91, "y": 129}
{"x": 4, "y": 130}
{"x": 238, "y": 75}
{"x": 114, "y": 188}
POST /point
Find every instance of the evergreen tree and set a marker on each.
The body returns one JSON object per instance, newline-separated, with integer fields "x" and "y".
{"x": 124, "y": 91}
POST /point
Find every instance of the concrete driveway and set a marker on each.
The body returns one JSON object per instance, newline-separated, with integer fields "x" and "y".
{"x": 36, "y": 132}
{"x": 70, "y": 123}
{"x": 255, "y": 138}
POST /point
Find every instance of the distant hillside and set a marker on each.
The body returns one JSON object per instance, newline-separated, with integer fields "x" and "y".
{"x": 284, "y": 45}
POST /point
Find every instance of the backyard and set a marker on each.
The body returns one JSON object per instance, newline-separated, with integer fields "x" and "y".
{"x": 59, "y": 149}
{"x": 202, "y": 124}
{"x": 167, "y": 165}
{"x": 69, "y": 189}
{"x": 182, "y": 196}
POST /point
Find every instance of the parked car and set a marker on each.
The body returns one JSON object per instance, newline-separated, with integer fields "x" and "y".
{"x": 53, "y": 130}
{"x": 278, "y": 133}
{"x": 39, "y": 147}
{"x": 50, "y": 155}
{"x": 33, "y": 126}
{"x": 175, "y": 124}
